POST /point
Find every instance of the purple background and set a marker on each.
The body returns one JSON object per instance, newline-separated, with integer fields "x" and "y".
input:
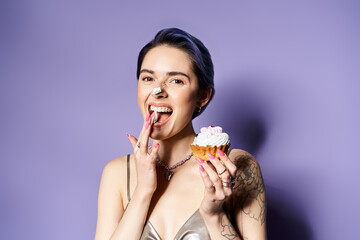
{"x": 287, "y": 82}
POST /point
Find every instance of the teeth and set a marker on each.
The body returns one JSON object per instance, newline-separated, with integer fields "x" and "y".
{"x": 160, "y": 109}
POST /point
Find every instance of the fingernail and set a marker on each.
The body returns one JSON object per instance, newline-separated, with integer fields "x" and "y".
{"x": 199, "y": 160}
{"x": 221, "y": 153}
{"x": 211, "y": 156}
{"x": 156, "y": 145}
{"x": 201, "y": 168}
{"x": 147, "y": 117}
{"x": 147, "y": 125}
{"x": 128, "y": 135}
{"x": 152, "y": 115}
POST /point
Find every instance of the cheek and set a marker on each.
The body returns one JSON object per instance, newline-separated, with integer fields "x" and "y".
{"x": 141, "y": 97}
{"x": 186, "y": 100}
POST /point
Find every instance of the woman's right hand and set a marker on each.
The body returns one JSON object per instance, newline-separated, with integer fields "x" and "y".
{"x": 145, "y": 162}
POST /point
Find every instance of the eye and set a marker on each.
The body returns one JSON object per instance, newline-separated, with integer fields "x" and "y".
{"x": 147, "y": 79}
{"x": 177, "y": 81}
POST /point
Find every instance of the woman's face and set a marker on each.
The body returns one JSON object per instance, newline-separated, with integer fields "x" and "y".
{"x": 170, "y": 69}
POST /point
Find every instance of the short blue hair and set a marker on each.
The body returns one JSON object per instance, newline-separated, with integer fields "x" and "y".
{"x": 200, "y": 56}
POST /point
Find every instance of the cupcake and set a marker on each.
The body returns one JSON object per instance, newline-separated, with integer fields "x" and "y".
{"x": 209, "y": 140}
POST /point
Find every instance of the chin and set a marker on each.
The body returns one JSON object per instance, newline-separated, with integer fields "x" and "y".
{"x": 159, "y": 135}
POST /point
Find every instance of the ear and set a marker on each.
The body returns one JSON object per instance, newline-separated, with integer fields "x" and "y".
{"x": 204, "y": 96}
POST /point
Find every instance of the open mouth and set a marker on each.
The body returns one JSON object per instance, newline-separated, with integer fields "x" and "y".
{"x": 163, "y": 113}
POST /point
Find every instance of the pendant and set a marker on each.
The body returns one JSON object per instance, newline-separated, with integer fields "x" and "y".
{"x": 168, "y": 175}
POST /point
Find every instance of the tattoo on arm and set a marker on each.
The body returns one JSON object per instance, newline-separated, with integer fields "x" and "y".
{"x": 227, "y": 229}
{"x": 249, "y": 186}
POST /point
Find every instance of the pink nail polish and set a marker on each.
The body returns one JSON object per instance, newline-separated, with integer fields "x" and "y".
{"x": 147, "y": 117}
{"x": 156, "y": 145}
{"x": 147, "y": 125}
{"x": 211, "y": 156}
{"x": 199, "y": 160}
{"x": 152, "y": 115}
{"x": 201, "y": 168}
{"x": 221, "y": 153}
{"x": 128, "y": 135}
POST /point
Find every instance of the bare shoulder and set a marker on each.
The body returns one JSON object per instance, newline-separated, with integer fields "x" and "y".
{"x": 248, "y": 175}
{"x": 111, "y": 197}
{"x": 249, "y": 185}
{"x": 116, "y": 165}
{"x": 239, "y": 157}
{"x": 246, "y": 164}
{"x": 114, "y": 175}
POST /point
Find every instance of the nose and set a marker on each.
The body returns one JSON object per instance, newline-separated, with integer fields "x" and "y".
{"x": 159, "y": 92}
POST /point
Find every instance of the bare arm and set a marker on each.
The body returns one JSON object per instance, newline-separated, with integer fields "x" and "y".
{"x": 247, "y": 198}
{"x": 220, "y": 227}
{"x": 133, "y": 219}
{"x": 110, "y": 205}
{"x": 113, "y": 221}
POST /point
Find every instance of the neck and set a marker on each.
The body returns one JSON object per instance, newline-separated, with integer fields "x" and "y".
{"x": 176, "y": 148}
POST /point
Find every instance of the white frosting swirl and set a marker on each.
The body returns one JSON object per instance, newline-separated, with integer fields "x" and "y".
{"x": 213, "y": 136}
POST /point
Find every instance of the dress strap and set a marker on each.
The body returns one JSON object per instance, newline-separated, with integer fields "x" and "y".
{"x": 128, "y": 177}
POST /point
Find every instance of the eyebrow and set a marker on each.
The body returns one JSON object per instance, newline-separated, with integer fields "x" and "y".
{"x": 168, "y": 73}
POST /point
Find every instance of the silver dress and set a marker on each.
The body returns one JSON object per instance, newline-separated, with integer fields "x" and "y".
{"x": 193, "y": 229}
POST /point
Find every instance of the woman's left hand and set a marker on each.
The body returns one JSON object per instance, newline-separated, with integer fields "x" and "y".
{"x": 218, "y": 175}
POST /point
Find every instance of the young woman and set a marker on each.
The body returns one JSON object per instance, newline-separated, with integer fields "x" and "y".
{"x": 162, "y": 191}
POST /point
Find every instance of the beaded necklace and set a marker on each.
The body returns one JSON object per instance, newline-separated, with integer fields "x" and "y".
{"x": 169, "y": 173}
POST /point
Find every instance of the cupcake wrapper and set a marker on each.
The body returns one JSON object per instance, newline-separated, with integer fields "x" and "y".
{"x": 201, "y": 151}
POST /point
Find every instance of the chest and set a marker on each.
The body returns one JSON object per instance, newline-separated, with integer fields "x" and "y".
{"x": 175, "y": 202}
